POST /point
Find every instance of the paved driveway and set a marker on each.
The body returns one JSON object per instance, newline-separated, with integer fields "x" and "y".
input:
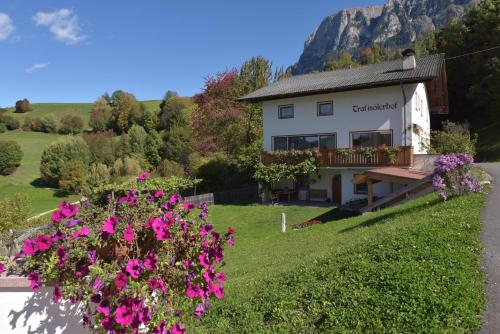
{"x": 490, "y": 236}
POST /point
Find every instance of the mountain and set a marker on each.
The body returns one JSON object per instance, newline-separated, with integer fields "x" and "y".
{"x": 394, "y": 25}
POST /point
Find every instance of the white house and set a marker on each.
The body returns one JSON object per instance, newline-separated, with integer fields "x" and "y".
{"x": 381, "y": 106}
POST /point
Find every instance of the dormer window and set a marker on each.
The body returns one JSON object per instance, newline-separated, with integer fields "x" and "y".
{"x": 325, "y": 108}
{"x": 285, "y": 111}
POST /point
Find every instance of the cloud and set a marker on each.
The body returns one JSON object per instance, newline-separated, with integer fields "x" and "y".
{"x": 6, "y": 26}
{"x": 63, "y": 24}
{"x": 36, "y": 67}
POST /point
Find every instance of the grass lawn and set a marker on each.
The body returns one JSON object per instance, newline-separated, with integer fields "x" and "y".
{"x": 411, "y": 268}
{"x": 25, "y": 178}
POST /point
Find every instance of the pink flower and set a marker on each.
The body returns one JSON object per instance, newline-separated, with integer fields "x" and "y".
{"x": 103, "y": 307}
{"x": 178, "y": 328}
{"x": 92, "y": 256}
{"x": 128, "y": 233}
{"x": 110, "y": 224}
{"x": 57, "y": 295}
{"x": 62, "y": 256}
{"x": 98, "y": 285}
{"x": 157, "y": 284}
{"x": 198, "y": 312}
{"x": 35, "y": 280}
{"x": 121, "y": 280}
{"x": 81, "y": 233}
{"x": 57, "y": 216}
{"x": 230, "y": 241}
{"x": 206, "y": 229}
{"x": 192, "y": 291}
{"x": 134, "y": 268}
{"x": 160, "y": 229}
{"x": 2, "y": 268}
{"x": 57, "y": 236}
{"x": 204, "y": 260}
{"x": 68, "y": 210}
{"x": 43, "y": 242}
{"x": 174, "y": 199}
{"x": 159, "y": 194}
{"x": 124, "y": 315}
{"x": 143, "y": 176}
{"x": 230, "y": 230}
{"x": 217, "y": 290}
{"x": 151, "y": 261}
{"x": 188, "y": 206}
{"x": 29, "y": 247}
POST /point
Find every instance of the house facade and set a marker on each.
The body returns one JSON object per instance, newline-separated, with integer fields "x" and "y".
{"x": 342, "y": 114}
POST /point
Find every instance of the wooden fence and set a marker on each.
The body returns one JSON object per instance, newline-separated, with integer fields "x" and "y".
{"x": 243, "y": 195}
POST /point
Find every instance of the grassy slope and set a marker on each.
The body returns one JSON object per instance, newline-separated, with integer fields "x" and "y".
{"x": 32, "y": 144}
{"x": 412, "y": 268}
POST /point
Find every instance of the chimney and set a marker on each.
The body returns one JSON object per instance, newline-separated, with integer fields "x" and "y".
{"x": 409, "y": 62}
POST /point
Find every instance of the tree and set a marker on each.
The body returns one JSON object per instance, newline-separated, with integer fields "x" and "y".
{"x": 73, "y": 177}
{"x": 99, "y": 174}
{"x": 126, "y": 110}
{"x": 373, "y": 55}
{"x": 23, "y": 106}
{"x": 101, "y": 117}
{"x": 454, "y": 138}
{"x": 344, "y": 62}
{"x": 71, "y": 124}
{"x": 103, "y": 147}
{"x": 10, "y": 157}
{"x": 169, "y": 168}
{"x": 60, "y": 152}
{"x": 10, "y": 122}
{"x": 136, "y": 140}
{"x": 153, "y": 147}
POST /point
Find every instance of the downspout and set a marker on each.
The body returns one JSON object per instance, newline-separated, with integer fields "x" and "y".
{"x": 404, "y": 112}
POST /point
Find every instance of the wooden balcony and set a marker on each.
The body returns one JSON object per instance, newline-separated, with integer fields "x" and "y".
{"x": 403, "y": 157}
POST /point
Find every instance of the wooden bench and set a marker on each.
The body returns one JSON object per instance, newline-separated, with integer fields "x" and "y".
{"x": 318, "y": 194}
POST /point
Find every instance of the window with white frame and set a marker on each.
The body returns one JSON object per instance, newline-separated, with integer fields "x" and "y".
{"x": 305, "y": 142}
{"x": 325, "y": 108}
{"x": 371, "y": 138}
{"x": 285, "y": 111}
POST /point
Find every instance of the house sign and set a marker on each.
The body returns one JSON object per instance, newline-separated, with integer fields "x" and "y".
{"x": 375, "y": 107}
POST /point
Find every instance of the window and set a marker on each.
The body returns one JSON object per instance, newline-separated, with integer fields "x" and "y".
{"x": 371, "y": 138}
{"x": 361, "y": 188}
{"x": 285, "y": 111}
{"x": 304, "y": 142}
{"x": 325, "y": 108}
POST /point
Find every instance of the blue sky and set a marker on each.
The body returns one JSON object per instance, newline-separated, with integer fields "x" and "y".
{"x": 73, "y": 51}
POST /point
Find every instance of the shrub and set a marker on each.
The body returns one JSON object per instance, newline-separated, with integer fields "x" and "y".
{"x": 71, "y": 124}
{"x": 57, "y": 154}
{"x": 152, "y": 148}
{"x": 454, "y": 138}
{"x": 101, "y": 117}
{"x": 23, "y": 106}
{"x": 10, "y": 122}
{"x": 3, "y": 128}
{"x": 135, "y": 264}
{"x": 47, "y": 124}
{"x": 99, "y": 174}
{"x": 14, "y": 214}
{"x": 136, "y": 139}
{"x": 126, "y": 166}
{"x": 453, "y": 176}
{"x": 170, "y": 168}
{"x": 103, "y": 146}
{"x": 10, "y": 157}
{"x": 73, "y": 177}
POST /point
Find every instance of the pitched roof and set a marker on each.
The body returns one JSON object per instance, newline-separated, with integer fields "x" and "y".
{"x": 375, "y": 75}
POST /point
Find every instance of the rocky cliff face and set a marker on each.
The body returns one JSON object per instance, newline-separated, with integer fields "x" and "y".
{"x": 396, "y": 24}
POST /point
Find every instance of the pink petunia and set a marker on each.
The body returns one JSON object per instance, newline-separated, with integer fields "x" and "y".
{"x": 217, "y": 290}
{"x": 230, "y": 230}
{"x": 110, "y": 224}
{"x": 134, "y": 268}
{"x": 178, "y": 328}
{"x": 57, "y": 216}
{"x": 174, "y": 199}
{"x": 29, "y": 247}
{"x": 204, "y": 260}
{"x": 143, "y": 176}
{"x": 104, "y": 307}
{"x": 57, "y": 236}
{"x": 160, "y": 229}
{"x": 159, "y": 194}
{"x": 124, "y": 315}
{"x": 35, "y": 280}
{"x": 81, "y": 233}
{"x": 151, "y": 261}
{"x": 56, "y": 295}
{"x": 230, "y": 241}
{"x": 192, "y": 291}
{"x": 121, "y": 280}
{"x": 198, "y": 312}
{"x": 188, "y": 206}
{"x": 128, "y": 233}
{"x": 43, "y": 242}
{"x": 2, "y": 268}
{"x": 98, "y": 285}
{"x": 68, "y": 210}
{"x": 206, "y": 229}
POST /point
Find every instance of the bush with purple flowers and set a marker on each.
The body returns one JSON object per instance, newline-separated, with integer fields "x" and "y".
{"x": 452, "y": 175}
{"x": 140, "y": 263}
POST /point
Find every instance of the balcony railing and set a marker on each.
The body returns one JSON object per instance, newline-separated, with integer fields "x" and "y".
{"x": 401, "y": 156}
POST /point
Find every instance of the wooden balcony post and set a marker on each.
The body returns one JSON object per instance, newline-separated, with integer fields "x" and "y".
{"x": 370, "y": 191}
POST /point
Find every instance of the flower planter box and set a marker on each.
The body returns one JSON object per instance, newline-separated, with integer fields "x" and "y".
{"x": 24, "y": 311}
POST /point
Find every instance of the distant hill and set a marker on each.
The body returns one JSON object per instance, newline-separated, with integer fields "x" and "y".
{"x": 394, "y": 25}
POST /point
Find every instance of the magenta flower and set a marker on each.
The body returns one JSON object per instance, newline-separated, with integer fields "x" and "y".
{"x": 159, "y": 194}
{"x": 57, "y": 216}
{"x": 151, "y": 261}
{"x": 192, "y": 291}
{"x": 57, "y": 236}
{"x": 2, "y": 268}
{"x": 157, "y": 284}
{"x": 174, "y": 199}
{"x": 107, "y": 323}
{"x": 92, "y": 256}
{"x": 230, "y": 230}
{"x": 124, "y": 315}
{"x": 206, "y": 229}
{"x": 128, "y": 233}
{"x": 134, "y": 268}
{"x": 217, "y": 290}
{"x": 104, "y": 307}
{"x": 43, "y": 242}
{"x": 144, "y": 315}
{"x": 120, "y": 280}
{"x": 160, "y": 229}
{"x": 81, "y": 233}
{"x": 29, "y": 247}
{"x": 178, "y": 328}
{"x": 230, "y": 241}
{"x": 56, "y": 295}
{"x": 35, "y": 280}
{"x": 143, "y": 176}
{"x": 68, "y": 210}
{"x": 110, "y": 224}
{"x": 204, "y": 260}
{"x": 188, "y": 206}
{"x": 198, "y": 312}
{"x": 62, "y": 256}
{"x": 72, "y": 222}
{"x": 98, "y": 285}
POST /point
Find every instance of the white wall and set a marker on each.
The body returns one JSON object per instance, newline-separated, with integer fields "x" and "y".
{"x": 343, "y": 120}
{"x": 25, "y": 312}
{"x": 421, "y": 117}
{"x": 380, "y": 189}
